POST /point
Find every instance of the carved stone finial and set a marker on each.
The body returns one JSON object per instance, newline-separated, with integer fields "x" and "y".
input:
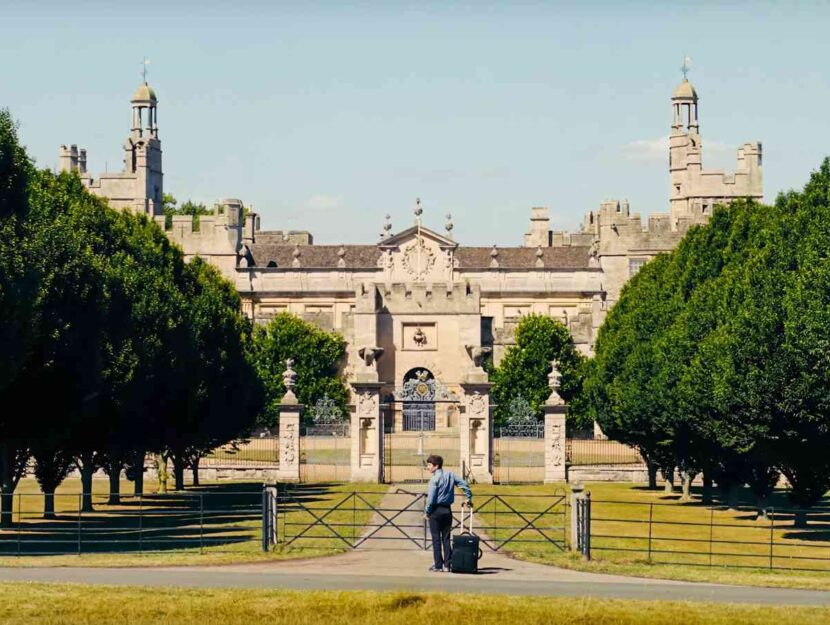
{"x": 448, "y": 226}
{"x": 494, "y": 256}
{"x": 296, "y": 254}
{"x": 539, "y": 257}
{"x": 387, "y": 227}
{"x": 555, "y": 384}
{"x": 289, "y": 376}
{"x": 418, "y": 210}
{"x": 341, "y": 253}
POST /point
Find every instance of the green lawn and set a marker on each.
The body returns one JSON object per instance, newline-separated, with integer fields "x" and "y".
{"x": 739, "y": 549}
{"x": 59, "y": 604}
{"x": 214, "y": 523}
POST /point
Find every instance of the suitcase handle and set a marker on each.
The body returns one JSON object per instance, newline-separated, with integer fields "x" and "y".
{"x": 469, "y": 529}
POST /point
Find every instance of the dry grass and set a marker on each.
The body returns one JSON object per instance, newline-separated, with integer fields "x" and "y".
{"x": 57, "y": 604}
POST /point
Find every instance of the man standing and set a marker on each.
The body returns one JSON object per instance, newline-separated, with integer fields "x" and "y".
{"x": 438, "y": 510}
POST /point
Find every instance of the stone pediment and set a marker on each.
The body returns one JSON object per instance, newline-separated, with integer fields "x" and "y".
{"x": 417, "y": 255}
{"x": 412, "y": 233}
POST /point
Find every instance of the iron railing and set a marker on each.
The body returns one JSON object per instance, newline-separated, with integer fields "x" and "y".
{"x": 189, "y": 521}
{"x": 695, "y": 535}
{"x": 600, "y": 452}
{"x": 252, "y": 452}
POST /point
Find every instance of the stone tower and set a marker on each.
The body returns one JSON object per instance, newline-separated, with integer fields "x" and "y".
{"x": 693, "y": 191}
{"x": 142, "y": 152}
{"x": 139, "y": 187}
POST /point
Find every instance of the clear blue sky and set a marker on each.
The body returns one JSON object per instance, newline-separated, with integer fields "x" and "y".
{"x": 325, "y": 116}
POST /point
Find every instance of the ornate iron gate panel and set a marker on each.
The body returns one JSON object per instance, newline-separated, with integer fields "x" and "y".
{"x": 418, "y": 416}
{"x": 519, "y": 446}
{"x": 325, "y": 444}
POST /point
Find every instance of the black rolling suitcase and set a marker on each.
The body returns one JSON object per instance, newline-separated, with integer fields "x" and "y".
{"x": 466, "y": 550}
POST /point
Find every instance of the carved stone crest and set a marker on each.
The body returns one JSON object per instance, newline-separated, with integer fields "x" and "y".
{"x": 418, "y": 260}
{"x": 367, "y": 404}
{"x": 478, "y": 405}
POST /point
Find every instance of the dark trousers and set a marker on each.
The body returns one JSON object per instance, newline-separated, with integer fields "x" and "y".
{"x": 440, "y": 526}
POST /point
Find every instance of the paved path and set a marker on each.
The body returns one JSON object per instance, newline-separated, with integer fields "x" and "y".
{"x": 394, "y": 562}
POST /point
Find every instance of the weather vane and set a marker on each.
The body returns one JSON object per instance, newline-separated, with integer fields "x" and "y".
{"x": 687, "y": 65}
{"x": 144, "y": 65}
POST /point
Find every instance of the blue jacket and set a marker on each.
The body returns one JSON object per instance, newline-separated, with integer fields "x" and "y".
{"x": 441, "y": 490}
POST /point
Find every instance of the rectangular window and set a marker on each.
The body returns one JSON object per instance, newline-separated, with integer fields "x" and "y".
{"x": 634, "y": 265}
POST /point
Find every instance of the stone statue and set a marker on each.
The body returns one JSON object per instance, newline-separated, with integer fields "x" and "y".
{"x": 477, "y": 353}
{"x": 370, "y": 355}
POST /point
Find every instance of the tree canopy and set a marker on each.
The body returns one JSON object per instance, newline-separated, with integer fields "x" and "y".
{"x": 115, "y": 344}
{"x": 525, "y": 366}
{"x": 715, "y": 357}
{"x": 317, "y": 356}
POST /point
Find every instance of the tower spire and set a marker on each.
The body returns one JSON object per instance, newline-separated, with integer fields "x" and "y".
{"x": 144, "y": 65}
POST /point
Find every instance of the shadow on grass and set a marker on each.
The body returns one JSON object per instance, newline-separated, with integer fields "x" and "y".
{"x": 204, "y": 517}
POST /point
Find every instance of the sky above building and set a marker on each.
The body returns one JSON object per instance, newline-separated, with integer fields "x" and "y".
{"x": 326, "y": 116}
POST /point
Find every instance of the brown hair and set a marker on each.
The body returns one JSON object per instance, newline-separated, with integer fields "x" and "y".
{"x": 438, "y": 461}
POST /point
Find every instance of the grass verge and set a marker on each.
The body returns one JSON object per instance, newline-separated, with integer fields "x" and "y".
{"x": 58, "y": 604}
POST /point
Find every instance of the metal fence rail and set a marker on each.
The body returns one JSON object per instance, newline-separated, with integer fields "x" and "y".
{"x": 597, "y": 451}
{"x": 710, "y": 536}
{"x": 253, "y": 452}
{"x": 189, "y": 521}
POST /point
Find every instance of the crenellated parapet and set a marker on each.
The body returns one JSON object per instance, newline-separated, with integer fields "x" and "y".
{"x": 431, "y": 298}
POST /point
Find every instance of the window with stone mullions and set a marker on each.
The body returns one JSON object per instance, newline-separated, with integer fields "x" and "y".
{"x": 634, "y": 265}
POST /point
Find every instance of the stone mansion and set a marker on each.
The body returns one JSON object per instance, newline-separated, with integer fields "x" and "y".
{"x": 417, "y": 302}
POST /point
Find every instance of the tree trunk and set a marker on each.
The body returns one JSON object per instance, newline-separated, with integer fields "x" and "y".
{"x": 138, "y": 467}
{"x": 707, "y": 489}
{"x": 161, "y": 468}
{"x": 178, "y": 472}
{"x": 48, "y": 502}
{"x": 194, "y": 468}
{"x": 6, "y": 508}
{"x": 114, "y": 473}
{"x": 800, "y": 518}
{"x": 7, "y": 484}
{"x": 686, "y": 482}
{"x": 87, "y": 469}
{"x": 732, "y": 496}
{"x": 668, "y": 487}
{"x": 652, "y": 475}
{"x": 761, "y": 507}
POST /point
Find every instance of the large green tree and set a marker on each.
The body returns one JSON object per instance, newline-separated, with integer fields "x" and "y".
{"x": 524, "y": 369}
{"x": 317, "y": 356}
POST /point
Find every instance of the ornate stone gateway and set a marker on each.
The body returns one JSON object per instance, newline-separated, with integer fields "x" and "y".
{"x": 420, "y": 418}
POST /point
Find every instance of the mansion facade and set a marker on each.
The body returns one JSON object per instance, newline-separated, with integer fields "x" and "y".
{"x": 417, "y": 304}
